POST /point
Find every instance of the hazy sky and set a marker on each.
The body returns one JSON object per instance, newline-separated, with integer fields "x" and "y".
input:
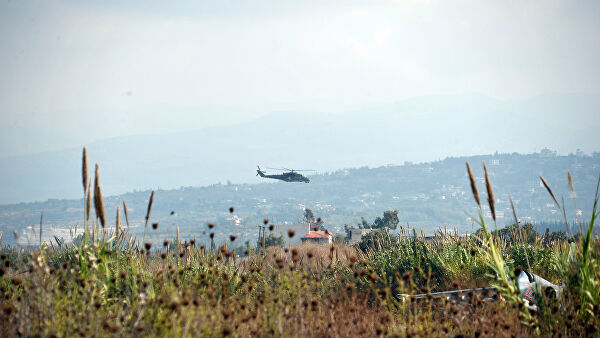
{"x": 89, "y": 69}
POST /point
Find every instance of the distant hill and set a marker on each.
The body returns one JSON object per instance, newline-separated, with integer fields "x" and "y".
{"x": 417, "y": 130}
{"x": 428, "y": 195}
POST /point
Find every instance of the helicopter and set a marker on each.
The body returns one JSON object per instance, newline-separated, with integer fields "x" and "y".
{"x": 289, "y": 175}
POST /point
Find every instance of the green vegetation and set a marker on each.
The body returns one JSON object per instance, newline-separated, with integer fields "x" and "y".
{"x": 113, "y": 288}
{"x": 389, "y": 221}
{"x": 274, "y": 240}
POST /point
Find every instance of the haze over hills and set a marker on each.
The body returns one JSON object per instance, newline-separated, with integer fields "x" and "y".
{"x": 428, "y": 196}
{"x": 418, "y": 130}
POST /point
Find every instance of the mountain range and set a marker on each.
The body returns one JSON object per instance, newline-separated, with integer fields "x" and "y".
{"x": 415, "y": 130}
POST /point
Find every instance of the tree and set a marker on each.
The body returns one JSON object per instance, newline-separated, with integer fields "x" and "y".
{"x": 558, "y": 236}
{"x": 309, "y": 217}
{"x": 348, "y": 229}
{"x": 389, "y": 221}
{"x": 314, "y": 224}
{"x": 273, "y": 240}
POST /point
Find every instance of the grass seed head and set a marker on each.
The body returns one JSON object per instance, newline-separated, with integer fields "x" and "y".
{"x": 473, "y": 184}
{"x": 118, "y": 220}
{"x": 98, "y": 201}
{"x": 125, "y": 211}
{"x": 149, "y": 210}
{"x": 490, "y": 192}
{"x": 547, "y": 186}
{"x": 571, "y": 185}
{"x": 84, "y": 169}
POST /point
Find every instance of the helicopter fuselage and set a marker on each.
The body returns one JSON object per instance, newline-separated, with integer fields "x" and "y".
{"x": 286, "y": 177}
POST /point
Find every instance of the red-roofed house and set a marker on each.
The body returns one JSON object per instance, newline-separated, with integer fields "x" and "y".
{"x": 322, "y": 237}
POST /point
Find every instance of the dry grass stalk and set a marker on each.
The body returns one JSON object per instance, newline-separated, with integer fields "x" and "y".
{"x": 98, "y": 201}
{"x": 521, "y": 235}
{"x": 149, "y": 210}
{"x": 545, "y": 183}
{"x": 571, "y": 185}
{"x": 512, "y": 206}
{"x": 307, "y": 256}
{"x": 41, "y": 224}
{"x": 178, "y": 241}
{"x": 490, "y": 192}
{"x": 94, "y": 234}
{"x": 88, "y": 203}
{"x": 118, "y": 221}
{"x": 84, "y": 170}
{"x": 126, "y": 213}
{"x": 473, "y": 184}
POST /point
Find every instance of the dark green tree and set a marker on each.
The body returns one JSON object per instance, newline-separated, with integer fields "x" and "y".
{"x": 272, "y": 240}
{"x": 313, "y": 223}
{"x": 364, "y": 224}
{"x": 347, "y": 229}
{"x": 309, "y": 217}
{"x": 388, "y": 221}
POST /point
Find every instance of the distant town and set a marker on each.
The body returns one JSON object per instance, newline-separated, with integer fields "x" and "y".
{"x": 428, "y": 196}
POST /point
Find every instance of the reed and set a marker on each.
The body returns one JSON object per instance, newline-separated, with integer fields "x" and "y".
{"x": 118, "y": 222}
{"x": 547, "y": 186}
{"x": 490, "y": 192}
{"x": 494, "y": 255}
{"x": 41, "y": 225}
{"x": 88, "y": 204}
{"x": 86, "y": 193}
{"x": 473, "y": 184}
{"x": 148, "y": 211}
{"x": 98, "y": 201}
{"x": 571, "y": 184}
{"x": 84, "y": 169}
{"x": 126, "y": 213}
{"x": 178, "y": 241}
{"x": 94, "y": 232}
{"x": 514, "y": 212}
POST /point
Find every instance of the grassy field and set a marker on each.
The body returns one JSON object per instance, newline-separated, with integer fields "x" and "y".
{"x": 111, "y": 288}
{"x": 110, "y": 284}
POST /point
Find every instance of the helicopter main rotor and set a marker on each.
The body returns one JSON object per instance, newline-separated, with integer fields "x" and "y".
{"x": 287, "y": 169}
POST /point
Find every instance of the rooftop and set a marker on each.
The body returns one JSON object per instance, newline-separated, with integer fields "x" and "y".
{"x": 318, "y": 234}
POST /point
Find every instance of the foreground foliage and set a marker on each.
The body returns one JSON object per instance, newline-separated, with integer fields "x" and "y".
{"x": 111, "y": 288}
